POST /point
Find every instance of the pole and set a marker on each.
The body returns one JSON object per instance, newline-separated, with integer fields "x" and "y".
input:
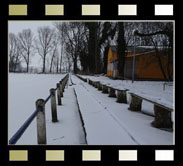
{"x": 133, "y": 69}
{"x": 58, "y": 94}
{"x": 96, "y": 67}
{"x": 41, "y": 122}
{"x": 53, "y": 105}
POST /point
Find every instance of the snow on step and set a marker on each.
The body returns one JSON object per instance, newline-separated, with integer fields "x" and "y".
{"x": 136, "y": 124}
{"x": 68, "y": 130}
{"x": 100, "y": 127}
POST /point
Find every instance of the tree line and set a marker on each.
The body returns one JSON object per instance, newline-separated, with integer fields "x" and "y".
{"x": 83, "y": 46}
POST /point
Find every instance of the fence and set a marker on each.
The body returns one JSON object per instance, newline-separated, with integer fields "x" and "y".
{"x": 40, "y": 113}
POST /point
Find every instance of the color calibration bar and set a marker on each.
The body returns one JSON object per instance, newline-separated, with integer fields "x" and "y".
{"x": 91, "y": 10}
{"x": 91, "y": 155}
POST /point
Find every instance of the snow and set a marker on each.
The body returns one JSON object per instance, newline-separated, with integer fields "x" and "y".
{"x": 100, "y": 127}
{"x": 106, "y": 122}
{"x": 150, "y": 89}
{"x": 137, "y": 126}
{"x": 24, "y": 90}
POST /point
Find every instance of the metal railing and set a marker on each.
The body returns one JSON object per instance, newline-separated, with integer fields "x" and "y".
{"x": 40, "y": 111}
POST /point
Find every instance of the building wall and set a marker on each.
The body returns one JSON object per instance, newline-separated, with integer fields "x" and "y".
{"x": 110, "y": 66}
{"x": 129, "y": 66}
{"x": 148, "y": 67}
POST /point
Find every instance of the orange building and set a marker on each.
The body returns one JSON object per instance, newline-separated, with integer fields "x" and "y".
{"x": 146, "y": 63}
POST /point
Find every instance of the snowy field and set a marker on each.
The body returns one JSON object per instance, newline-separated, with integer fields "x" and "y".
{"x": 106, "y": 122}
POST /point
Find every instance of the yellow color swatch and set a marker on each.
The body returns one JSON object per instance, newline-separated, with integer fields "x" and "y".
{"x": 15, "y": 10}
{"x": 91, "y": 155}
{"x": 55, "y": 155}
{"x": 127, "y": 155}
{"x": 127, "y": 10}
{"x": 54, "y": 10}
{"x": 18, "y": 155}
{"x": 90, "y": 10}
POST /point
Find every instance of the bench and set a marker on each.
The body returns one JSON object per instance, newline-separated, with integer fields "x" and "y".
{"x": 167, "y": 83}
{"x": 104, "y": 88}
{"x": 111, "y": 91}
{"x": 162, "y": 112}
{"x": 121, "y": 95}
{"x": 96, "y": 84}
{"x": 99, "y": 86}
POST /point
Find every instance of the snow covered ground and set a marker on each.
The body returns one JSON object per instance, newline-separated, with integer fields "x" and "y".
{"x": 102, "y": 113}
{"x": 24, "y": 90}
{"x": 105, "y": 121}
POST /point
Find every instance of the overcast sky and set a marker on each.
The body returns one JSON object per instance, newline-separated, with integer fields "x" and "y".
{"x": 17, "y": 26}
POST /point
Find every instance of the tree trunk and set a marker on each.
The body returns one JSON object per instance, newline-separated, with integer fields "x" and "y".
{"x": 161, "y": 65}
{"x": 121, "y": 47}
{"x": 75, "y": 66}
{"x": 170, "y": 60}
{"x": 92, "y": 47}
{"x": 51, "y": 64}
{"x": 44, "y": 60}
{"x": 61, "y": 58}
{"x": 27, "y": 67}
{"x": 28, "y": 64}
{"x": 105, "y": 58}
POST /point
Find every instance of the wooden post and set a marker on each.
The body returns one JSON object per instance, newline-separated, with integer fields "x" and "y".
{"x": 61, "y": 91}
{"x": 41, "y": 122}
{"x": 59, "y": 94}
{"x": 121, "y": 96}
{"x": 135, "y": 104}
{"x": 162, "y": 118}
{"x": 63, "y": 85}
{"x": 111, "y": 92}
{"x": 53, "y": 105}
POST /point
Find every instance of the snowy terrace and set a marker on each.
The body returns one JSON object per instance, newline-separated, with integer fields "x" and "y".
{"x": 147, "y": 89}
{"x": 106, "y": 122}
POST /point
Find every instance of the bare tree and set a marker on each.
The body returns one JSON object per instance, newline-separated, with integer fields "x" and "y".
{"x": 56, "y": 61}
{"x": 14, "y": 53}
{"x": 68, "y": 61}
{"x": 121, "y": 47}
{"x": 55, "y": 53}
{"x": 60, "y": 28}
{"x": 160, "y": 34}
{"x": 26, "y": 45}
{"x": 73, "y": 32}
{"x": 44, "y": 43}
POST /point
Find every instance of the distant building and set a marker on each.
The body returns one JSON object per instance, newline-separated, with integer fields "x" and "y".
{"x": 146, "y": 63}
